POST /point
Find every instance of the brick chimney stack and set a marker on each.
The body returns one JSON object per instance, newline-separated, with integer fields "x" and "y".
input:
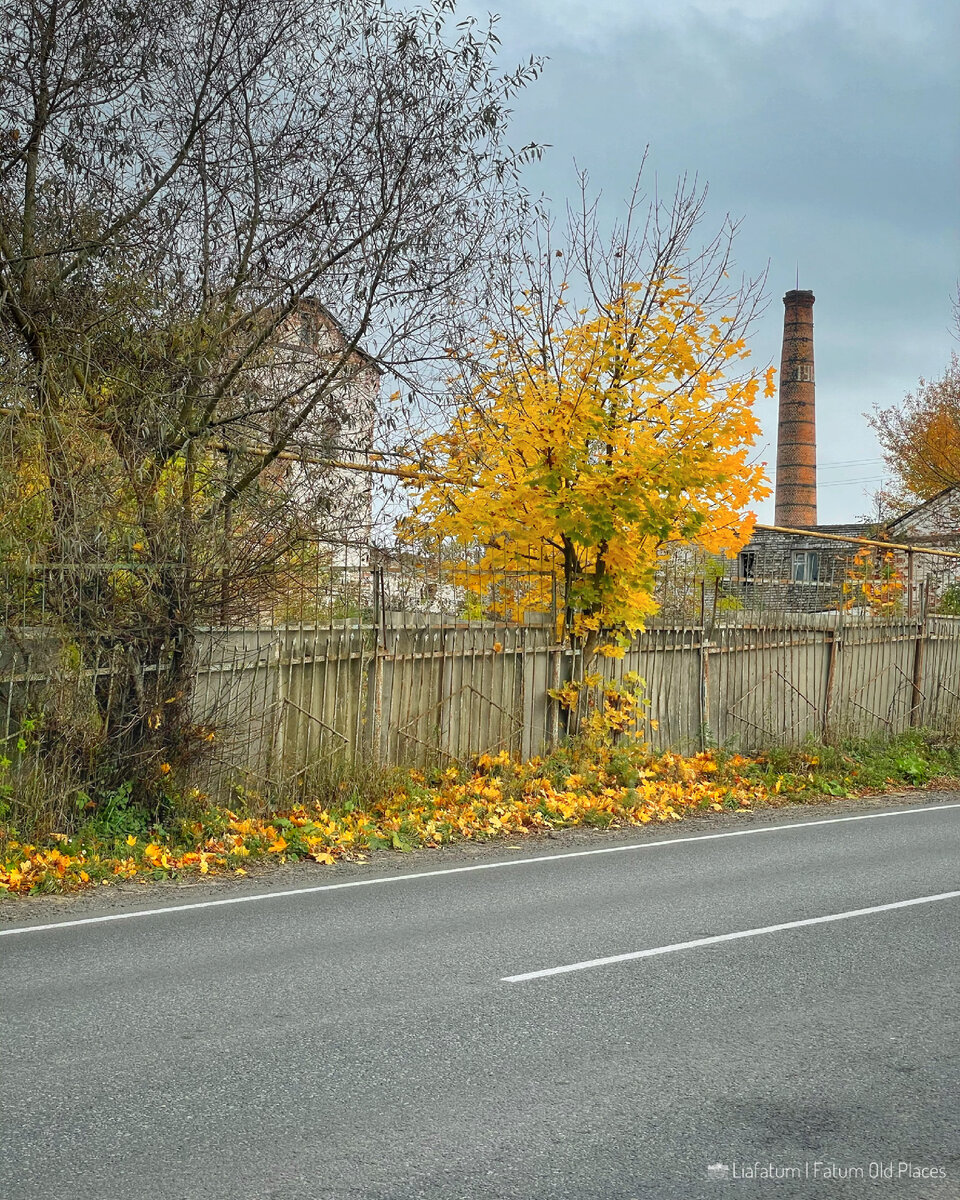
{"x": 796, "y": 487}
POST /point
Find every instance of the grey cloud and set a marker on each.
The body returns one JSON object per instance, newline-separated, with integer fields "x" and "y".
{"x": 832, "y": 130}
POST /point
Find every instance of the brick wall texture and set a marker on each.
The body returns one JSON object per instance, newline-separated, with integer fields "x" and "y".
{"x": 796, "y": 488}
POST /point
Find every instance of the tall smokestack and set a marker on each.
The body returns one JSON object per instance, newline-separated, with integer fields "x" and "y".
{"x": 796, "y": 491}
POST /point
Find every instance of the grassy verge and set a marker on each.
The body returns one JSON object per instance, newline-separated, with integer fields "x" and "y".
{"x": 606, "y": 784}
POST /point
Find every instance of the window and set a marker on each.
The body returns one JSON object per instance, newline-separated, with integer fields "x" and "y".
{"x": 746, "y": 565}
{"x": 806, "y": 566}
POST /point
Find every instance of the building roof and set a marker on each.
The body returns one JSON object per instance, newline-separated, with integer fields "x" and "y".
{"x": 848, "y": 529}
{"x": 802, "y": 539}
{"x": 334, "y": 323}
{"x": 925, "y": 504}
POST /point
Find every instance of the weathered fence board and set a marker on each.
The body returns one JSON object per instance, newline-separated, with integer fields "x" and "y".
{"x": 283, "y": 700}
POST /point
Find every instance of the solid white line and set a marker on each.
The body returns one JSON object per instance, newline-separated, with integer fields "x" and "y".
{"x": 491, "y": 866}
{"x": 725, "y": 937}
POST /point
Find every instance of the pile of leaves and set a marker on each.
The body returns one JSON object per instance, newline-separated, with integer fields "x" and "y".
{"x": 496, "y": 796}
{"x": 598, "y": 780}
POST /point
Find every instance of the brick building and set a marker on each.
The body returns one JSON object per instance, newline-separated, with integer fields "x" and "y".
{"x": 806, "y": 570}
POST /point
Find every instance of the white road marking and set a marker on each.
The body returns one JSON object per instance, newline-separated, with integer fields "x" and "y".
{"x": 725, "y": 937}
{"x": 492, "y": 866}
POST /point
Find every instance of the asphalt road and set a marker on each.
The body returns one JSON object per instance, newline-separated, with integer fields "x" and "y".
{"x": 363, "y": 1041}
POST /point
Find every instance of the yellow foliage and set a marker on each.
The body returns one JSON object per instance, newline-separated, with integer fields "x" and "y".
{"x": 499, "y": 796}
{"x": 920, "y": 437}
{"x": 585, "y": 454}
{"x": 873, "y": 581}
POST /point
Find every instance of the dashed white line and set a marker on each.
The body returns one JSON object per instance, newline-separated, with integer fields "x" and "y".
{"x": 725, "y": 937}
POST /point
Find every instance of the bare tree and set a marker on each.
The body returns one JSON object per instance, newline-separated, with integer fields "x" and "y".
{"x": 180, "y": 183}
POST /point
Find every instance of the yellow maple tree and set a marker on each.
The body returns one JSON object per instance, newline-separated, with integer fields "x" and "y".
{"x": 589, "y": 447}
{"x": 920, "y": 439}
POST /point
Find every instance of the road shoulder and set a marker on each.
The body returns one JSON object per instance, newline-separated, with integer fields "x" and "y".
{"x": 273, "y": 876}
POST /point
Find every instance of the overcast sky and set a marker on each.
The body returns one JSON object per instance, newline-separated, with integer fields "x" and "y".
{"x": 831, "y": 128}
